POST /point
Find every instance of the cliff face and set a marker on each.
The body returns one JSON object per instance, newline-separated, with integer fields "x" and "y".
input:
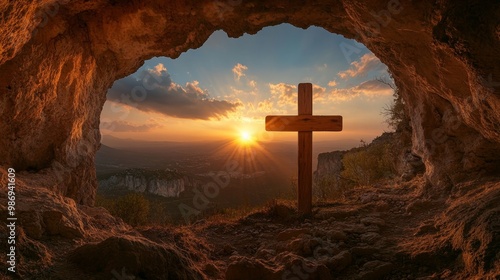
{"x": 329, "y": 164}
{"x": 388, "y": 156}
{"x": 133, "y": 181}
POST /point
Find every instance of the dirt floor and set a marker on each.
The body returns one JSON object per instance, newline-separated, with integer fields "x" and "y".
{"x": 382, "y": 232}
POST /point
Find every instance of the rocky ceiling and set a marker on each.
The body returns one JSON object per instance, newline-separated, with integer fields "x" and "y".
{"x": 58, "y": 58}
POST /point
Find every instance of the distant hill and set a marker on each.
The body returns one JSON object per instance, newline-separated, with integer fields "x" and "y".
{"x": 139, "y": 153}
{"x": 111, "y": 159}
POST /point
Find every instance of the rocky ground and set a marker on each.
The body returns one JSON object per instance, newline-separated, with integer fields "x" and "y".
{"x": 361, "y": 237}
{"x": 380, "y": 232}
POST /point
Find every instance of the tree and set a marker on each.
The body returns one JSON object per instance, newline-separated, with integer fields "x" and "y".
{"x": 395, "y": 112}
{"x": 132, "y": 208}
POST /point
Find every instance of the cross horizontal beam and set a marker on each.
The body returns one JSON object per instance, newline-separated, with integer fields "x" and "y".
{"x": 304, "y": 123}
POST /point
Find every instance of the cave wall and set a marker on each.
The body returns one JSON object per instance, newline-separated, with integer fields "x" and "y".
{"x": 58, "y": 58}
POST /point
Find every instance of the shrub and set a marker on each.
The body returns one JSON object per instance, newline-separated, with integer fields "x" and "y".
{"x": 331, "y": 187}
{"x": 368, "y": 164}
{"x": 133, "y": 208}
{"x": 395, "y": 114}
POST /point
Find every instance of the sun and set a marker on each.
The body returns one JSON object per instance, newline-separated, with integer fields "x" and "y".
{"x": 246, "y": 138}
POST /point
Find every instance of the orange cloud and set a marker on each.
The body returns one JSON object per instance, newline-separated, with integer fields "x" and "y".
{"x": 374, "y": 88}
{"x": 367, "y": 62}
{"x": 319, "y": 93}
{"x": 285, "y": 93}
{"x": 371, "y": 88}
{"x": 155, "y": 92}
{"x": 124, "y": 126}
{"x": 239, "y": 71}
{"x": 332, "y": 83}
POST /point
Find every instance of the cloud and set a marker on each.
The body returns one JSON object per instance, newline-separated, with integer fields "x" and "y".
{"x": 342, "y": 94}
{"x": 332, "y": 83}
{"x": 237, "y": 92}
{"x": 367, "y": 62}
{"x": 374, "y": 88}
{"x": 371, "y": 88}
{"x": 154, "y": 91}
{"x": 322, "y": 67}
{"x": 123, "y": 126}
{"x": 319, "y": 93}
{"x": 265, "y": 106}
{"x": 285, "y": 93}
{"x": 252, "y": 83}
{"x": 239, "y": 70}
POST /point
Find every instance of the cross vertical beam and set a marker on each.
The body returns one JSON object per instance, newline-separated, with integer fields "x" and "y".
{"x": 305, "y": 123}
{"x": 304, "y": 190}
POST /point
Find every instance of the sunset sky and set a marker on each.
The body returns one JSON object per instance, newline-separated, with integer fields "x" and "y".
{"x": 229, "y": 85}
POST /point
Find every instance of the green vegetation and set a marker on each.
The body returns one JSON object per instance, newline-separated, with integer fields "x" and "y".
{"x": 331, "y": 187}
{"x": 372, "y": 163}
{"x": 369, "y": 164}
{"x": 395, "y": 114}
{"x": 132, "y": 208}
{"x": 135, "y": 209}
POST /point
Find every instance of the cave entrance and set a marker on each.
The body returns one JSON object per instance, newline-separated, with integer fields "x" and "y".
{"x": 189, "y": 117}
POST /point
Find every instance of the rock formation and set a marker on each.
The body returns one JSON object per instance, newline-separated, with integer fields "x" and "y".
{"x": 329, "y": 164}
{"x": 59, "y": 57}
{"x": 162, "y": 183}
{"x": 392, "y": 146}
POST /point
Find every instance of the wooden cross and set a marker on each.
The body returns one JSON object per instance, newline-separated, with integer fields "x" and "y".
{"x": 305, "y": 123}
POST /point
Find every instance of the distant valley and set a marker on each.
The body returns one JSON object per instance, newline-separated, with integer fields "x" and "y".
{"x": 253, "y": 174}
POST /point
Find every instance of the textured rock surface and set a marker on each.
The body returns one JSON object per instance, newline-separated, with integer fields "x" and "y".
{"x": 329, "y": 164}
{"x": 161, "y": 183}
{"x": 406, "y": 165}
{"x": 58, "y": 58}
{"x": 131, "y": 256}
{"x": 410, "y": 238}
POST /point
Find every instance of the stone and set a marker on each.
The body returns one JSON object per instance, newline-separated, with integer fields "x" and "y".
{"x": 337, "y": 235}
{"x": 373, "y": 221}
{"x": 211, "y": 269}
{"x": 322, "y": 252}
{"x": 340, "y": 261}
{"x": 296, "y": 246}
{"x": 364, "y": 250}
{"x": 291, "y": 233}
{"x": 370, "y": 237}
{"x": 137, "y": 256}
{"x": 296, "y": 267}
{"x": 32, "y": 249}
{"x": 56, "y": 223}
{"x": 158, "y": 182}
{"x": 382, "y": 206}
{"x": 264, "y": 253}
{"x": 243, "y": 268}
{"x": 309, "y": 245}
{"x": 42, "y": 212}
{"x": 368, "y": 197}
{"x": 374, "y": 270}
